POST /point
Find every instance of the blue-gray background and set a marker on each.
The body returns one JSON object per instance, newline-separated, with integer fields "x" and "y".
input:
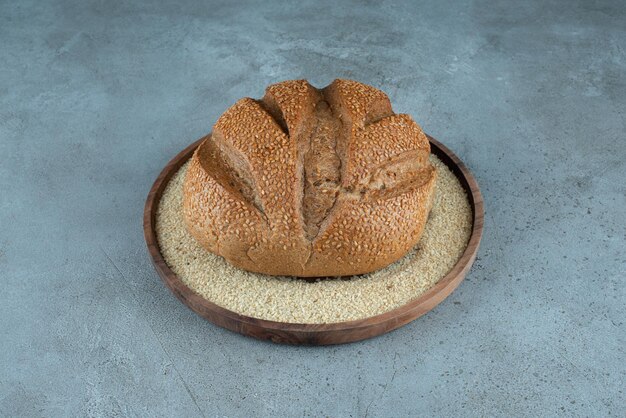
{"x": 96, "y": 96}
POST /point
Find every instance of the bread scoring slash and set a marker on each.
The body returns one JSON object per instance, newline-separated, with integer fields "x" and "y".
{"x": 311, "y": 182}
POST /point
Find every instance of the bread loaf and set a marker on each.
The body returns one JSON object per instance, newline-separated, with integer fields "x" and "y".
{"x": 310, "y": 182}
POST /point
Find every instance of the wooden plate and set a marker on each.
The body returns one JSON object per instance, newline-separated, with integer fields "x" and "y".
{"x": 316, "y": 334}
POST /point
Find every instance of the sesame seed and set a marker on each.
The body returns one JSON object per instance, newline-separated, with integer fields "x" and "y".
{"x": 288, "y": 299}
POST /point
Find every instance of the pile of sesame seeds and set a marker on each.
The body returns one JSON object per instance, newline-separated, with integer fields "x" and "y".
{"x": 293, "y": 300}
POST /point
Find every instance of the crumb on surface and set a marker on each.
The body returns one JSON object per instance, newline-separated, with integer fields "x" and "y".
{"x": 287, "y": 299}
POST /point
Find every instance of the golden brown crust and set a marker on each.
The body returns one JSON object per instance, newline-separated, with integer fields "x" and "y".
{"x": 311, "y": 182}
{"x": 350, "y": 245}
{"x": 293, "y": 101}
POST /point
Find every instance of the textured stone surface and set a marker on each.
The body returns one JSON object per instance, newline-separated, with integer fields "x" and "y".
{"x": 96, "y": 96}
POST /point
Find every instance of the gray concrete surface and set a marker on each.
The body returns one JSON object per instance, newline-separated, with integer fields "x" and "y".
{"x": 96, "y": 96}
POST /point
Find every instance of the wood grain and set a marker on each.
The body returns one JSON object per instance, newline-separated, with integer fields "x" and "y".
{"x": 316, "y": 334}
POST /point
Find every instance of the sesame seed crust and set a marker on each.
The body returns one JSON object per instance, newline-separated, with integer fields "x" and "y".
{"x": 295, "y": 99}
{"x": 260, "y": 199}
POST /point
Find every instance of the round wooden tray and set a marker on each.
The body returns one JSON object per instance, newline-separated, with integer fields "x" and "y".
{"x": 316, "y": 334}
